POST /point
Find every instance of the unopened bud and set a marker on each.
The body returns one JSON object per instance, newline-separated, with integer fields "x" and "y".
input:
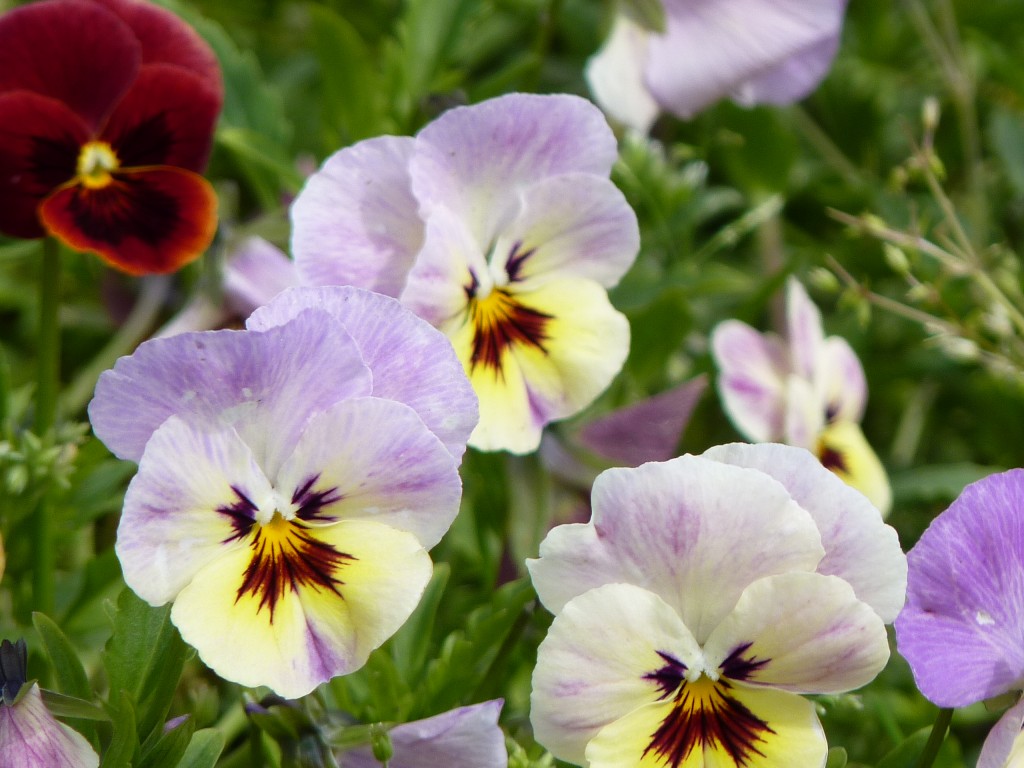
{"x": 824, "y": 280}
{"x": 896, "y": 259}
{"x": 930, "y": 113}
{"x": 380, "y": 743}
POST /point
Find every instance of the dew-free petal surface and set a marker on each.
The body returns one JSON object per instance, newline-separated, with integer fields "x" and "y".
{"x": 615, "y": 75}
{"x": 751, "y": 379}
{"x": 1005, "y": 740}
{"x": 33, "y": 738}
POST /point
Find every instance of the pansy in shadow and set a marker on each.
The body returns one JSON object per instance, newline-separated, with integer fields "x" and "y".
{"x": 499, "y": 225}
{"x": 107, "y": 110}
{"x": 292, "y": 477}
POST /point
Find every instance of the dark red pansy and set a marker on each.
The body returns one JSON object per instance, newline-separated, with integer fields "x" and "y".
{"x": 107, "y": 112}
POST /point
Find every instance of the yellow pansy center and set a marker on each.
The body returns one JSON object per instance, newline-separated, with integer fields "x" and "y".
{"x": 96, "y": 160}
{"x": 500, "y": 322}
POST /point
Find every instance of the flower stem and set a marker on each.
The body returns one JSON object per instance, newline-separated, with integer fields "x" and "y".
{"x": 48, "y": 378}
{"x": 935, "y": 739}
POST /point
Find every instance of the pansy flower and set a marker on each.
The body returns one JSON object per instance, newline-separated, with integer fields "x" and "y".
{"x": 962, "y": 629}
{"x": 803, "y": 389}
{"x": 700, "y": 51}
{"x": 699, "y": 602}
{"x": 292, "y": 477}
{"x": 499, "y": 225}
{"x": 107, "y": 109}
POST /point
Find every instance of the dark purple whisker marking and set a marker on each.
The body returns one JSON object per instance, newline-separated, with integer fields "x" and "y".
{"x": 242, "y": 515}
{"x": 310, "y": 503}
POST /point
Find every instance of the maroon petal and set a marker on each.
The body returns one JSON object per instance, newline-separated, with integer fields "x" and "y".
{"x": 148, "y": 221}
{"x": 73, "y": 51}
{"x": 39, "y": 145}
{"x": 166, "y": 39}
{"x": 166, "y": 118}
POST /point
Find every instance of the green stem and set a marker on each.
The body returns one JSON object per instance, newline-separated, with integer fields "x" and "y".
{"x": 44, "y": 561}
{"x": 935, "y": 739}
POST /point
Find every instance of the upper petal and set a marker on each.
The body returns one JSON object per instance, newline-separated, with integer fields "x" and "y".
{"x": 356, "y": 222}
{"x": 410, "y": 361}
{"x": 615, "y": 75}
{"x": 859, "y": 547}
{"x": 846, "y": 388}
{"x": 803, "y": 331}
{"x": 793, "y": 78}
{"x": 694, "y": 531}
{"x": 33, "y": 738}
{"x": 751, "y": 379}
{"x": 255, "y": 272}
{"x": 76, "y": 52}
{"x": 961, "y": 629}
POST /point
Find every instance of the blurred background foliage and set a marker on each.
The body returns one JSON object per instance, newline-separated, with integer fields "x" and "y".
{"x": 729, "y": 204}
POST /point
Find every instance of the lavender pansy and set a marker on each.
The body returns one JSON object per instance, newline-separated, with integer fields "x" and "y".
{"x": 962, "y": 629}
{"x": 751, "y": 51}
{"x": 690, "y": 613}
{"x": 498, "y": 224}
{"x": 803, "y": 389}
{"x": 291, "y": 478}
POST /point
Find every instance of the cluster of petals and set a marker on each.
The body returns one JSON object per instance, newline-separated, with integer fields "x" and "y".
{"x": 107, "y": 111}
{"x": 962, "y": 629}
{"x": 498, "y": 224}
{"x": 705, "y": 594}
{"x": 292, "y": 477}
{"x": 803, "y": 389}
{"x": 700, "y": 51}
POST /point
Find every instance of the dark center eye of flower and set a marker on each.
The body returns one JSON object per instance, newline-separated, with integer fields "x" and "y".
{"x": 501, "y": 322}
{"x": 831, "y": 459}
{"x": 95, "y": 162}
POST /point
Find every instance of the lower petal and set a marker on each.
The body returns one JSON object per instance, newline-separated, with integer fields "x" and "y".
{"x": 31, "y": 737}
{"x": 149, "y": 221}
{"x": 843, "y": 449}
{"x": 313, "y": 629}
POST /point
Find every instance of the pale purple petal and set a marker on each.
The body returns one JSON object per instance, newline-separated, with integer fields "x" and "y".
{"x": 1004, "y": 739}
{"x": 255, "y": 273}
{"x": 467, "y": 737}
{"x": 805, "y": 412}
{"x": 615, "y": 76}
{"x": 410, "y": 361}
{"x": 648, "y": 430}
{"x": 803, "y": 331}
{"x": 355, "y": 222}
{"x": 752, "y": 370}
{"x": 266, "y": 384}
{"x": 669, "y": 528}
{"x": 472, "y": 160}
{"x": 859, "y": 547}
{"x": 793, "y": 79}
{"x": 845, "y": 386}
{"x": 962, "y": 629}
{"x": 713, "y": 48}
{"x": 30, "y": 737}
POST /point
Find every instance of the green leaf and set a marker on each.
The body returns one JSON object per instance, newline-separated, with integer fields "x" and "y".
{"x": 124, "y": 741}
{"x": 67, "y": 668}
{"x": 427, "y": 33}
{"x": 1006, "y": 134}
{"x": 165, "y": 750}
{"x": 836, "y": 758}
{"x": 411, "y": 645}
{"x": 937, "y": 482}
{"x": 203, "y": 750}
{"x": 71, "y": 706}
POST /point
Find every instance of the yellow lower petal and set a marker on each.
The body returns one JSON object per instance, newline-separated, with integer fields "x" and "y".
{"x": 843, "y": 449}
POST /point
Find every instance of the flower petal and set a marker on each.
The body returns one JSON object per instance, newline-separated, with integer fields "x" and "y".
{"x": 843, "y": 448}
{"x": 615, "y": 76}
{"x": 380, "y": 462}
{"x": 669, "y": 528}
{"x": 313, "y": 633}
{"x": 751, "y": 381}
{"x": 255, "y": 273}
{"x": 355, "y": 222}
{"x": 805, "y": 412}
{"x": 803, "y": 331}
{"x": 411, "y": 362}
{"x": 472, "y": 160}
{"x": 597, "y": 662}
{"x": 859, "y": 548}
{"x": 800, "y": 632}
{"x": 961, "y": 629}
{"x": 266, "y": 384}
{"x": 1004, "y": 745}
{"x": 77, "y": 53}
{"x": 197, "y": 487}
{"x": 467, "y": 737}
{"x": 151, "y": 221}
{"x": 793, "y": 78}
{"x": 846, "y": 388}
{"x": 39, "y": 144}
{"x": 33, "y": 738}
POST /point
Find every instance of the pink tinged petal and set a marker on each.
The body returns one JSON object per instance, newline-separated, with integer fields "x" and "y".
{"x": 255, "y": 273}
{"x": 312, "y": 630}
{"x": 648, "y": 430}
{"x": 751, "y": 379}
{"x": 410, "y": 361}
{"x": 714, "y": 48}
{"x": 669, "y": 528}
{"x": 467, "y": 737}
{"x": 570, "y": 226}
{"x": 801, "y": 632}
{"x": 265, "y": 384}
{"x": 803, "y": 331}
{"x": 597, "y": 662}
{"x": 196, "y": 495}
{"x": 615, "y": 76}
{"x": 30, "y": 737}
{"x": 961, "y": 629}
{"x": 355, "y": 222}
{"x": 1004, "y": 745}
{"x": 472, "y": 160}
{"x": 373, "y": 459}
{"x": 859, "y": 547}
{"x": 793, "y": 79}
{"x": 805, "y": 412}
{"x": 846, "y": 388}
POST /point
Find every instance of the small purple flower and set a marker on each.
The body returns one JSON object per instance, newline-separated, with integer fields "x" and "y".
{"x": 751, "y": 51}
{"x": 962, "y": 629}
{"x": 292, "y": 477}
